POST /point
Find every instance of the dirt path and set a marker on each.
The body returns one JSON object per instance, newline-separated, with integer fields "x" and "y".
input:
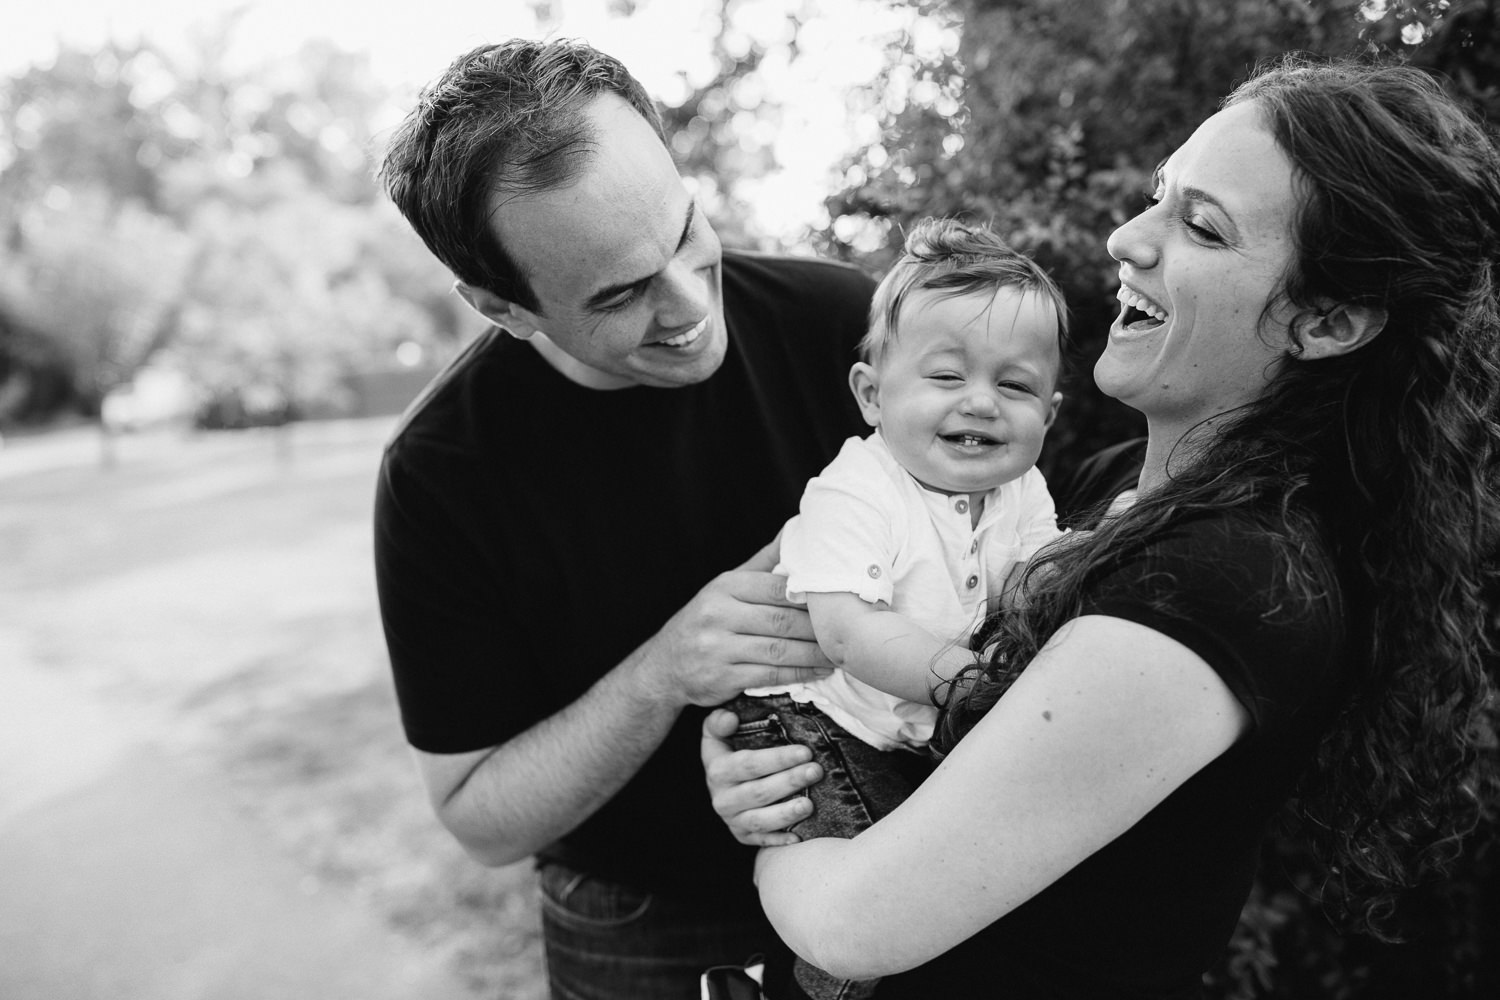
{"x": 203, "y": 792}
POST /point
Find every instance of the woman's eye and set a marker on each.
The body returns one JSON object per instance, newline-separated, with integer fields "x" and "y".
{"x": 1201, "y": 231}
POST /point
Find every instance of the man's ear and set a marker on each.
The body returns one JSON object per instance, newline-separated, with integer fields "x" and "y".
{"x": 513, "y": 319}
{"x": 865, "y": 384}
{"x": 1336, "y": 331}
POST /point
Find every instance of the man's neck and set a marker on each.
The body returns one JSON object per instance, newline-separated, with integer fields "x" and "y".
{"x": 574, "y": 370}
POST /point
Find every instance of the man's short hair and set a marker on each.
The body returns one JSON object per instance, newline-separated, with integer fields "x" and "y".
{"x": 955, "y": 258}
{"x": 508, "y": 116}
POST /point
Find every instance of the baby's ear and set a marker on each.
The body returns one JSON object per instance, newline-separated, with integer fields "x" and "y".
{"x": 1335, "y": 331}
{"x": 864, "y": 382}
{"x": 513, "y": 319}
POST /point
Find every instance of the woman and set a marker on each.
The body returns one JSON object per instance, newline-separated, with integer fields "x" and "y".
{"x": 1291, "y": 609}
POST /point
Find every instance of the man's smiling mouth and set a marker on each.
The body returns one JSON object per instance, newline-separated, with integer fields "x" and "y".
{"x": 686, "y": 338}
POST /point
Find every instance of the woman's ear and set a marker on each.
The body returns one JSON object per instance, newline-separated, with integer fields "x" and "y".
{"x": 513, "y": 319}
{"x": 1336, "y": 331}
{"x": 864, "y": 382}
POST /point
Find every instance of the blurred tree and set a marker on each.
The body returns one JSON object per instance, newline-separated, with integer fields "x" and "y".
{"x": 100, "y": 280}
{"x": 1046, "y": 120}
{"x": 151, "y": 203}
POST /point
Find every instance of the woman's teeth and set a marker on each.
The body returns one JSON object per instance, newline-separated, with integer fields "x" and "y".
{"x": 1135, "y": 301}
{"x": 683, "y": 339}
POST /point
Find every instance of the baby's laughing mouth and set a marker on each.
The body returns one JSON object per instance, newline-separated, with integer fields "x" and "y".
{"x": 686, "y": 338}
{"x": 967, "y": 440}
{"x": 1140, "y": 312}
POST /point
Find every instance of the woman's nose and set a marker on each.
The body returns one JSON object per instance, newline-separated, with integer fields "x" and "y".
{"x": 1134, "y": 242}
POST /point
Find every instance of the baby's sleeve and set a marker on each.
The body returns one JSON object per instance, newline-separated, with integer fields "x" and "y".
{"x": 1037, "y": 524}
{"x": 845, "y": 535}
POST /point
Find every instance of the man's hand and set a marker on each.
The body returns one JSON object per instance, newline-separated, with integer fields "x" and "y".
{"x": 751, "y": 789}
{"x": 738, "y": 632}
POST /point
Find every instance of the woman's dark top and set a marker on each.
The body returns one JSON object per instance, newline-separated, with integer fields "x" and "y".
{"x": 1146, "y": 915}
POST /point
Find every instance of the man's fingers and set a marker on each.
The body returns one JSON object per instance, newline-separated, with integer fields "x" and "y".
{"x": 781, "y": 838}
{"x": 766, "y": 675}
{"x": 768, "y": 825}
{"x": 719, "y": 725}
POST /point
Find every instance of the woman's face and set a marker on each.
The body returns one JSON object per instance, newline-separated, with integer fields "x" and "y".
{"x": 1197, "y": 269}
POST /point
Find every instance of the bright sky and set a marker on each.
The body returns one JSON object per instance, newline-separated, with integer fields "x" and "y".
{"x": 410, "y": 43}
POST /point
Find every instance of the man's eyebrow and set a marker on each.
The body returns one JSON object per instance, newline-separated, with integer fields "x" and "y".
{"x": 608, "y": 292}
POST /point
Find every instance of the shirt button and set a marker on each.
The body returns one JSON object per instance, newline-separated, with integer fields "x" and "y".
{"x": 972, "y": 582}
{"x": 973, "y": 548}
{"x": 961, "y": 505}
{"x": 874, "y": 571}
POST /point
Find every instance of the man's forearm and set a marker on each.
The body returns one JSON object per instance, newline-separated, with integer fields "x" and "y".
{"x": 544, "y": 782}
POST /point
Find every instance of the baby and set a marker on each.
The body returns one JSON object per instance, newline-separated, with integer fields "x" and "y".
{"x": 910, "y": 535}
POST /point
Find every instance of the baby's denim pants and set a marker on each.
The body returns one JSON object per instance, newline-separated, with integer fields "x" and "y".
{"x": 860, "y": 785}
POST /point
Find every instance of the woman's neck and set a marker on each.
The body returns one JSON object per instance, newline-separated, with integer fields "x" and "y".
{"x": 1171, "y": 448}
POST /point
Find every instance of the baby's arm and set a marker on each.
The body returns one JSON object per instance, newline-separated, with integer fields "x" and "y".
{"x": 884, "y": 649}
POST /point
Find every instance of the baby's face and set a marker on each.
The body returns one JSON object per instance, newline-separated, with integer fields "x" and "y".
{"x": 967, "y": 390}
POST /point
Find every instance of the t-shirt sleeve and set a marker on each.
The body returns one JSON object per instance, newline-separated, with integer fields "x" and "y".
{"x": 1219, "y": 588}
{"x": 447, "y": 624}
{"x": 844, "y": 537}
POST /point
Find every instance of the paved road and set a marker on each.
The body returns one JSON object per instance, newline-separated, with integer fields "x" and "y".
{"x": 145, "y": 884}
{"x": 128, "y": 870}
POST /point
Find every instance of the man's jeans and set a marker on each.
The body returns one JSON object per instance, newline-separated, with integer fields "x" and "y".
{"x": 860, "y": 785}
{"x": 607, "y": 941}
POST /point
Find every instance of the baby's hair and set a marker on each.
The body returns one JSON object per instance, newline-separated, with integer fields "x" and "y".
{"x": 955, "y": 258}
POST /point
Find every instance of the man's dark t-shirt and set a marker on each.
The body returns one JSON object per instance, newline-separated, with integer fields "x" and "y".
{"x": 530, "y": 533}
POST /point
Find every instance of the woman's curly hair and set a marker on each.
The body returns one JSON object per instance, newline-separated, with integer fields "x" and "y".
{"x": 1375, "y": 473}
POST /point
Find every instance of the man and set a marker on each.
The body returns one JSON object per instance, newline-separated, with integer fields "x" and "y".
{"x": 558, "y": 517}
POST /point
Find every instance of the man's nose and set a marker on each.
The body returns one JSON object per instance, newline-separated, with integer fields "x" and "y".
{"x": 683, "y": 296}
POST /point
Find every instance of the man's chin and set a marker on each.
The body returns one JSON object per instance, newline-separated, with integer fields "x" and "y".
{"x": 678, "y": 366}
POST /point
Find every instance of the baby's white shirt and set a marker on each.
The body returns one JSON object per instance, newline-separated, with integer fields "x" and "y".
{"x": 867, "y": 527}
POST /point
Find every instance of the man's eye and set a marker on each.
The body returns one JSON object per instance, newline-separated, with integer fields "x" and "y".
{"x": 623, "y": 300}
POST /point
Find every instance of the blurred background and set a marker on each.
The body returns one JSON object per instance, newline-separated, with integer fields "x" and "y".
{"x": 210, "y": 316}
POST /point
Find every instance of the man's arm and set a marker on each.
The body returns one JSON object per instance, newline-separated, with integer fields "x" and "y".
{"x": 504, "y": 803}
{"x": 884, "y": 649}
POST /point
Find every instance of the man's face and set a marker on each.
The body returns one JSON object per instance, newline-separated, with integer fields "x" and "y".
{"x": 624, "y": 265}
